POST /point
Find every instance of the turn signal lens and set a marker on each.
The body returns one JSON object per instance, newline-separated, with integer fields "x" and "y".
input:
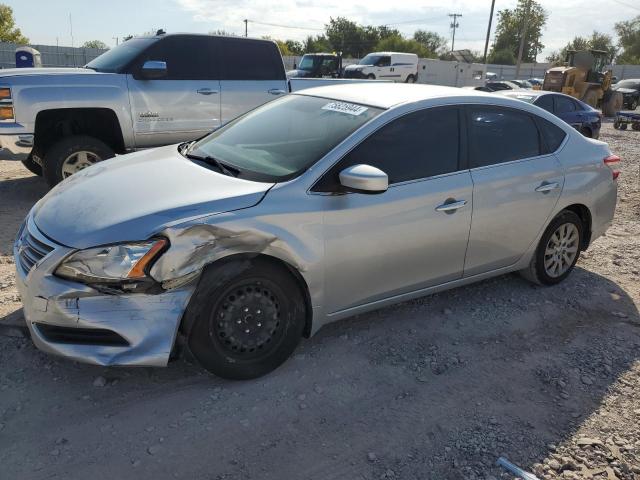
{"x": 138, "y": 271}
{"x": 612, "y": 161}
{"x": 5, "y": 93}
{"x": 6, "y": 113}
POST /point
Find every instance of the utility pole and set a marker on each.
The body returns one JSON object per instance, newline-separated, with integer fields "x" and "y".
{"x": 522, "y": 37}
{"x": 486, "y": 42}
{"x": 117, "y": 39}
{"x": 454, "y": 25}
{"x": 245, "y": 27}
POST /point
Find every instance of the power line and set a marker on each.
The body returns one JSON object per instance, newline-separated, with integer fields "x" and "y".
{"x": 627, "y": 5}
{"x": 284, "y": 26}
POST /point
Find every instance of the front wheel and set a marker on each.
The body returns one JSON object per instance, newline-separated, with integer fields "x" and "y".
{"x": 371, "y": 76}
{"x": 558, "y": 250}
{"x": 30, "y": 164}
{"x": 72, "y": 154}
{"x": 247, "y": 318}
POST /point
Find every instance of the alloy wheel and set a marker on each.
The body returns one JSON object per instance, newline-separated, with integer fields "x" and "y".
{"x": 78, "y": 161}
{"x": 561, "y": 250}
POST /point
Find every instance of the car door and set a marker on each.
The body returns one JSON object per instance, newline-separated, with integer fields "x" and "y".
{"x": 515, "y": 186}
{"x": 252, "y": 74}
{"x": 384, "y": 70}
{"x": 183, "y": 105}
{"x": 412, "y": 236}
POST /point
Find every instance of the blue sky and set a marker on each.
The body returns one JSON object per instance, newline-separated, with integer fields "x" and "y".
{"x": 45, "y": 21}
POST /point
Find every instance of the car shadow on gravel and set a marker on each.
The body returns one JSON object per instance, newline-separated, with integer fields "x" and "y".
{"x": 433, "y": 388}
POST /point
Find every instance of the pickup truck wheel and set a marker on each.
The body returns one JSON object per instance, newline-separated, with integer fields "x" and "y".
{"x": 32, "y": 166}
{"x": 247, "y": 317}
{"x": 72, "y": 154}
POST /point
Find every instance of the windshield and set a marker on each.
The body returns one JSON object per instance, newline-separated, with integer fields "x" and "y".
{"x": 633, "y": 84}
{"x": 306, "y": 63}
{"x": 524, "y": 98}
{"x": 112, "y": 61}
{"x": 370, "y": 59}
{"x": 281, "y": 139}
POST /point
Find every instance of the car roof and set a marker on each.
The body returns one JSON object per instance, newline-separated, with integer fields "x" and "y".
{"x": 387, "y": 94}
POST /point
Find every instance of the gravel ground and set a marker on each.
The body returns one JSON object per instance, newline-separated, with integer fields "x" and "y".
{"x": 436, "y": 388}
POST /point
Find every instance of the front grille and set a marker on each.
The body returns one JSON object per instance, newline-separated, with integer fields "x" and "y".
{"x": 31, "y": 249}
{"x": 83, "y": 336}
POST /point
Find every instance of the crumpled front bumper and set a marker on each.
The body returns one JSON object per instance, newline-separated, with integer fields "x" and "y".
{"x": 148, "y": 323}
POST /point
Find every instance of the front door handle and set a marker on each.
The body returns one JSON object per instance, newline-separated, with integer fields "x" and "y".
{"x": 546, "y": 187}
{"x": 451, "y": 205}
{"x": 277, "y": 91}
{"x": 206, "y": 91}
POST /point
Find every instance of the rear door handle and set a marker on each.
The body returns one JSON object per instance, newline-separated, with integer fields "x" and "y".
{"x": 206, "y": 91}
{"x": 277, "y": 91}
{"x": 547, "y": 187}
{"x": 451, "y": 206}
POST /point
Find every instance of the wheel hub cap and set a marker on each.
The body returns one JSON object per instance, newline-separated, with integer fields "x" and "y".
{"x": 561, "y": 250}
{"x": 78, "y": 161}
{"x": 247, "y": 319}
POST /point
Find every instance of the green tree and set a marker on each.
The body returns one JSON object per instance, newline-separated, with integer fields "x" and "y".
{"x": 8, "y": 30}
{"x": 352, "y": 39}
{"x": 436, "y": 44}
{"x": 296, "y": 48}
{"x": 502, "y": 57}
{"x": 629, "y": 41}
{"x": 316, "y": 44}
{"x": 398, "y": 43}
{"x": 95, "y": 44}
{"x": 510, "y": 28}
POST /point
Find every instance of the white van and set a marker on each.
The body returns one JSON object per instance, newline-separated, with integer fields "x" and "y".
{"x": 399, "y": 67}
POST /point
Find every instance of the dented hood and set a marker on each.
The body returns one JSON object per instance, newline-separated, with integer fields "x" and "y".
{"x": 133, "y": 197}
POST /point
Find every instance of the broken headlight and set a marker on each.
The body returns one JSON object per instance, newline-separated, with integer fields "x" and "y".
{"x": 112, "y": 263}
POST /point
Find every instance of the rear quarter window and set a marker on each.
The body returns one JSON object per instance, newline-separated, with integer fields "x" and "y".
{"x": 242, "y": 59}
{"x": 552, "y": 135}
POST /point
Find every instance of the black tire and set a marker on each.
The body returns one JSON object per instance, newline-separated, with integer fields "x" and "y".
{"x": 586, "y": 132}
{"x": 371, "y": 76}
{"x": 57, "y": 154}
{"x": 410, "y": 79}
{"x": 32, "y": 166}
{"x": 623, "y": 126}
{"x": 237, "y": 348}
{"x": 536, "y": 272}
{"x": 636, "y": 126}
{"x": 616, "y": 125}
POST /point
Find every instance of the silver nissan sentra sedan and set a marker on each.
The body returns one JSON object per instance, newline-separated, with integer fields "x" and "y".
{"x": 323, "y": 204}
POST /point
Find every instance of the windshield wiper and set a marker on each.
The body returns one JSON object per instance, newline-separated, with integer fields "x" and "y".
{"x": 225, "y": 169}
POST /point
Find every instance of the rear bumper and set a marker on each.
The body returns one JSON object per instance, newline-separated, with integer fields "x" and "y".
{"x": 17, "y": 143}
{"x": 78, "y": 322}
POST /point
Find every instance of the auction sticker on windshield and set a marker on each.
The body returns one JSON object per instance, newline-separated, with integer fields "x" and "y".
{"x": 344, "y": 107}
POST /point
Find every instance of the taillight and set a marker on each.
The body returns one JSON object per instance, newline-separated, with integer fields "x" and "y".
{"x": 6, "y": 105}
{"x": 612, "y": 161}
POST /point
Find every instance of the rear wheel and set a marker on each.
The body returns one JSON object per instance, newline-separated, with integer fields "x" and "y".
{"x": 558, "y": 250}
{"x": 72, "y": 154}
{"x": 411, "y": 79}
{"x": 247, "y": 317}
{"x": 371, "y": 76}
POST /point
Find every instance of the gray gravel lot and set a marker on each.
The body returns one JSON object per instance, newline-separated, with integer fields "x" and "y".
{"x": 436, "y": 388}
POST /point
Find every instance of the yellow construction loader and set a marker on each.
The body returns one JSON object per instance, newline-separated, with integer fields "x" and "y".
{"x": 584, "y": 77}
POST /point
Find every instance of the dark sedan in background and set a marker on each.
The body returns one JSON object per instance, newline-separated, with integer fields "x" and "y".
{"x": 579, "y": 115}
{"x": 630, "y": 90}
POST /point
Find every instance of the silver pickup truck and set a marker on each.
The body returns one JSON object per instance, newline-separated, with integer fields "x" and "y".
{"x": 147, "y": 92}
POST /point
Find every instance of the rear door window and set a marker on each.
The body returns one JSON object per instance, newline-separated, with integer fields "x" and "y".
{"x": 545, "y": 102}
{"x": 242, "y": 59}
{"x": 418, "y": 145}
{"x": 498, "y": 135}
{"x": 565, "y": 105}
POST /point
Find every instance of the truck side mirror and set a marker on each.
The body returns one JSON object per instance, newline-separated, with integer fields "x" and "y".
{"x": 153, "y": 69}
